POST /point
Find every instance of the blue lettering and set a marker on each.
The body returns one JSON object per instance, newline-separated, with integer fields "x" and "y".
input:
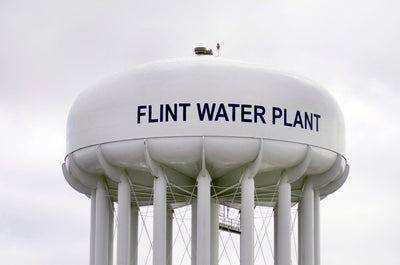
{"x": 161, "y": 112}
{"x": 206, "y": 109}
{"x": 259, "y": 111}
{"x": 248, "y": 113}
{"x": 150, "y": 115}
{"x": 244, "y": 112}
{"x": 233, "y": 107}
{"x": 317, "y": 117}
{"x": 298, "y": 120}
{"x": 285, "y": 119}
{"x": 140, "y": 113}
{"x": 221, "y": 113}
{"x": 170, "y": 112}
{"x": 276, "y": 114}
{"x": 184, "y": 107}
{"x": 308, "y": 121}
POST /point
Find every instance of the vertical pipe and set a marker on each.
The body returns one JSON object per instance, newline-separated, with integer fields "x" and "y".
{"x": 247, "y": 222}
{"x": 284, "y": 205}
{"x": 159, "y": 221}
{"x": 317, "y": 228}
{"x": 108, "y": 231}
{"x": 203, "y": 218}
{"x": 101, "y": 225}
{"x": 307, "y": 225}
{"x": 124, "y": 222}
{"x": 134, "y": 236}
{"x": 194, "y": 231}
{"x": 276, "y": 237}
{"x": 300, "y": 219}
{"x": 110, "y": 238}
{"x": 214, "y": 232}
{"x": 169, "y": 240}
{"x": 92, "y": 226}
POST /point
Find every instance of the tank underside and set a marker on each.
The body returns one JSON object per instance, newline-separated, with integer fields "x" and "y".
{"x": 226, "y": 160}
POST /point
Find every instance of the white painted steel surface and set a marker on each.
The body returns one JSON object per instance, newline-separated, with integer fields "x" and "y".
{"x": 276, "y": 238}
{"x": 194, "y": 233}
{"x": 247, "y": 222}
{"x": 112, "y": 110}
{"x": 214, "y": 232}
{"x": 92, "y": 227}
{"x": 284, "y": 230}
{"x": 182, "y": 127}
{"x": 160, "y": 221}
{"x": 169, "y": 240}
{"x": 110, "y": 232}
{"x": 124, "y": 221}
{"x": 317, "y": 228}
{"x": 134, "y": 236}
{"x": 203, "y": 218}
{"x": 306, "y": 226}
{"x": 101, "y": 237}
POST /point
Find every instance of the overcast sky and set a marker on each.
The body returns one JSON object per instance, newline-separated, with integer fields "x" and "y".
{"x": 51, "y": 50}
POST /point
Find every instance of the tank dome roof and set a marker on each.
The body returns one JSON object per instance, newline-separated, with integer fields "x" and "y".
{"x": 205, "y": 96}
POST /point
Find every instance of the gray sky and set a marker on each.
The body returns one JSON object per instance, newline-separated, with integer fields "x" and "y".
{"x": 52, "y": 50}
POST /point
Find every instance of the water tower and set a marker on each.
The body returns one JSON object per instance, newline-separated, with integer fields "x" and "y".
{"x": 205, "y": 132}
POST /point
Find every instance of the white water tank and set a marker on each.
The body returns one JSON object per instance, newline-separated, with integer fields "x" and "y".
{"x": 212, "y": 117}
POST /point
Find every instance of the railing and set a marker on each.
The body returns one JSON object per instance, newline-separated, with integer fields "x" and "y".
{"x": 229, "y": 219}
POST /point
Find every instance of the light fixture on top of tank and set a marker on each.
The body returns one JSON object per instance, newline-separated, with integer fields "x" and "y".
{"x": 202, "y": 51}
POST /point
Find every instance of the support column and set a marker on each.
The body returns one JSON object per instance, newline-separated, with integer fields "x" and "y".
{"x": 92, "y": 226}
{"x": 276, "y": 237}
{"x": 134, "y": 235}
{"x": 300, "y": 218}
{"x": 159, "y": 221}
{"x": 110, "y": 233}
{"x": 203, "y": 218}
{"x": 306, "y": 255}
{"x": 317, "y": 228}
{"x": 169, "y": 240}
{"x": 101, "y": 228}
{"x": 194, "y": 231}
{"x": 214, "y": 232}
{"x": 284, "y": 205}
{"x": 124, "y": 222}
{"x": 247, "y": 222}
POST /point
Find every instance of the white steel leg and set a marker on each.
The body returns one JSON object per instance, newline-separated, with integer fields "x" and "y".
{"x": 214, "y": 232}
{"x": 284, "y": 205}
{"x": 124, "y": 222}
{"x": 247, "y": 222}
{"x": 306, "y": 256}
{"x": 203, "y": 218}
{"x": 276, "y": 237}
{"x": 194, "y": 231}
{"x": 159, "y": 222}
{"x": 134, "y": 235}
{"x": 110, "y": 232}
{"x": 317, "y": 228}
{"x": 300, "y": 219}
{"x": 92, "y": 226}
{"x": 101, "y": 228}
{"x": 169, "y": 241}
